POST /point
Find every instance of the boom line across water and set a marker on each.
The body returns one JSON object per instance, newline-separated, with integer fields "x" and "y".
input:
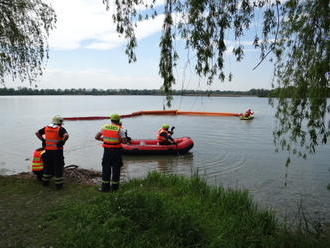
{"x": 153, "y": 112}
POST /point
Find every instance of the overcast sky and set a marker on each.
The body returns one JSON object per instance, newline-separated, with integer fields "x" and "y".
{"x": 86, "y": 52}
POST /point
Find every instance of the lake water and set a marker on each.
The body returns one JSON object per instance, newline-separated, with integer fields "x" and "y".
{"x": 227, "y": 151}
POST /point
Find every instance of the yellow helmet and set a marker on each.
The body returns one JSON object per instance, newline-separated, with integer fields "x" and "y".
{"x": 166, "y": 126}
{"x": 57, "y": 120}
{"x": 115, "y": 117}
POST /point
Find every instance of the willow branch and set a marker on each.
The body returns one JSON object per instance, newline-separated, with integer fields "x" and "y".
{"x": 276, "y": 34}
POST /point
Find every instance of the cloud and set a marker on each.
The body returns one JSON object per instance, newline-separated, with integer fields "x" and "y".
{"x": 96, "y": 78}
{"x": 110, "y": 40}
{"x": 87, "y": 24}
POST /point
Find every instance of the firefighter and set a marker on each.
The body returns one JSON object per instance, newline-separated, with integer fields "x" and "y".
{"x": 128, "y": 139}
{"x": 53, "y": 138}
{"x": 112, "y": 136}
{"x": 164, "y": 136}
{"x": 38, "y": 163}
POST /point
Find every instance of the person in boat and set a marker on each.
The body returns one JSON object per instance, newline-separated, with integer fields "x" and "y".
{"x": 112, "y": 136}
{"x": 164, "y": 135}
{"x": 248, "y": 113}
{"x": 53, "y": 138}
{"x": 128, "y": 139}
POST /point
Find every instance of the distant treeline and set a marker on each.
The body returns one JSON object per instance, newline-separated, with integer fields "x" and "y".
{"x": 29, "y": 91}
{"x": 294, "y": 92}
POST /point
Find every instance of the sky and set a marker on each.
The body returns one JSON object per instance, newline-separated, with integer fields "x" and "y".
{"x": 86, "y": 52}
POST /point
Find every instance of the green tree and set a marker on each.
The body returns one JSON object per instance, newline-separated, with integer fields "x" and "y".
{"x": 24, "y": 29}
{"x": 302, "y": 53}
{"x": 294, "y": 35}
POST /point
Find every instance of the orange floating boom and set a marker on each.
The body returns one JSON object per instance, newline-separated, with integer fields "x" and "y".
{"x": 87, "y": 118}
{"x": 206, "y": 113}
{"x": 158, "y": 112}
{"x": 153, "y": 112}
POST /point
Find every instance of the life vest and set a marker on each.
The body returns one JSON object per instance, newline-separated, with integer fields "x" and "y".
{"x": 248, "y": 113}
{"x": 53, "y": 137}
{"x": 111, "y": 136}
{"x": 160, "y": 137}
{"x": 37, "y": 162}
{"x": 124, "y": 129}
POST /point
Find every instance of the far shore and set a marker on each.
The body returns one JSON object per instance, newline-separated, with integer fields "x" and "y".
{"x": 131, "y": 92}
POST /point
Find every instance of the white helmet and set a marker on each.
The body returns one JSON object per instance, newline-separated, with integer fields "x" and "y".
{"x": 57, "y": 120}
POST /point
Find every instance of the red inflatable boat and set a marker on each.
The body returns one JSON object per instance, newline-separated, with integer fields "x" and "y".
{"x": 136, "y": 147}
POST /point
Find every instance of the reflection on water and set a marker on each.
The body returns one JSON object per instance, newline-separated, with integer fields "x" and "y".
{"x": 138, "y": 167}
{"x": 227, "y": 151}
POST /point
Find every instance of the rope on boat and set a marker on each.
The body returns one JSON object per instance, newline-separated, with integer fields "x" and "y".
{"x": 153, "y": 112}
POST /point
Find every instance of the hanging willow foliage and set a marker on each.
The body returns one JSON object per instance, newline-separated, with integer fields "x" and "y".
{"x": 294, "y": 35}
{"x": 24, "y": 29}
{"x": 302, "y": 62}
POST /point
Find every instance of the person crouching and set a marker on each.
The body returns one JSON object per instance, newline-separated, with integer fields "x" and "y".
{"x": 38, "y": 163}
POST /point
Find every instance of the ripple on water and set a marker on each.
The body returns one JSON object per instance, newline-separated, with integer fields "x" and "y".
{"x": 227, "y": 150}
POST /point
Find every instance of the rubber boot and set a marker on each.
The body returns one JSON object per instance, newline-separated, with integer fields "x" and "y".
{"x": 39, "y": 177}
{"x": 105, "y": 187}
{"x": 45, "y": 183}
{"x": 59, "y": 186}
{"x": 114, "y": 186}
{"x": 46, "y": 179}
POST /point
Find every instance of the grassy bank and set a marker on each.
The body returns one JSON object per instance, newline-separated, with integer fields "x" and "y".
{"x": 159, "y": 211}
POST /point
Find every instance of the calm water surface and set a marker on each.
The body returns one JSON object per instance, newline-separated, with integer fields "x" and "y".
{"x": 227, "y": 151}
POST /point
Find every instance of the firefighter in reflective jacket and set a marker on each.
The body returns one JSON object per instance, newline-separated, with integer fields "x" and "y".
{"x": 112, "y": 136}
{"x": 248, "y": 113}
{"x": 38, "y": 163}
{"x": 53, "y": 138}
{"x": 164, "y": 136}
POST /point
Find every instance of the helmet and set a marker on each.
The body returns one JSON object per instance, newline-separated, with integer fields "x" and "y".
{"x": 166, "y": 126}
{"x": 115, "y": 117}
{"x": 58, "y": 120}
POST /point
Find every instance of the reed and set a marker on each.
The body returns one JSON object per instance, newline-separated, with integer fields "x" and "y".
{"x": 159, "y": 211}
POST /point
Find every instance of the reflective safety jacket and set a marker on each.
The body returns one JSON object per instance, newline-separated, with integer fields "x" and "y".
{"x": 53, "y": 137}
{"x": 37, "y": 162}
{"x": 162, "y": 137}
{"x": 111, "y": 136}
{"x": 248, "y": 113}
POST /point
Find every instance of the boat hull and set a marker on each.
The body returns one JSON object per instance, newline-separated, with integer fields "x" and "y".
{"x": 246, "y": 117}
{"x": 151, "y": 147}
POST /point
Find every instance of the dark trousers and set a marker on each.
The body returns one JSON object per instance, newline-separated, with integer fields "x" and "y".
{"x": 111, "y": 164}
{"x": 54, "y": 166}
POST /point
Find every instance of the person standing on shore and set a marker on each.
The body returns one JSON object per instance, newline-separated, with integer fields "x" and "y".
{"x": 53, "y": 138}
{"x": 112, "y": 136}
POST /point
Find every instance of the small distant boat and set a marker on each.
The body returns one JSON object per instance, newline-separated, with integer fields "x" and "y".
{"x": 143, "y": 147}
{"x": 250, "y": 117}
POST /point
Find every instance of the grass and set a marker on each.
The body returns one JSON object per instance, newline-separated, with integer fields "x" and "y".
{"x": 159, "y": 211}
